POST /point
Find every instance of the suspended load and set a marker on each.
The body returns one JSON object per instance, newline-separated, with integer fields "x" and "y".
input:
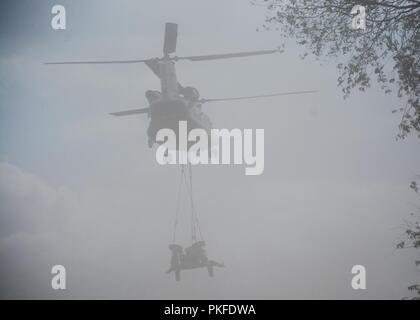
{"x": 194, "y": 256}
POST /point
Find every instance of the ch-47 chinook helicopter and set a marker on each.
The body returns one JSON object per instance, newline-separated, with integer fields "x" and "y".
{"x": 175, "y": 102}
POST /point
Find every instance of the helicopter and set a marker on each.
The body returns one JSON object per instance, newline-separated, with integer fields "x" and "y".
{"x": 167, "y": 108}
{"x": 175, "y": 103}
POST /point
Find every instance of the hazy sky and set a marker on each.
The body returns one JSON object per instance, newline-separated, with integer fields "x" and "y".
{"x": 82, "y": 189}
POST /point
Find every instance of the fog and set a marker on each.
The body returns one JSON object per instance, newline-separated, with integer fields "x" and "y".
{"x": 81, "y": 188}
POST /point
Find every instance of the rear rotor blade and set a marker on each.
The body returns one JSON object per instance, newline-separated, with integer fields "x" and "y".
{"x": 99, "y": 62}
{"x": 227, "y": 55}
{"x": 171, "y": 36}
{"x": 130, "y": 112}
{"x": 258, "y": 96}
{"x": 154, "y": 66}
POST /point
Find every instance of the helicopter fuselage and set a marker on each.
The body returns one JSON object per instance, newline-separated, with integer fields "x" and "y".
{"x": 167, "y": 113}
{"x": 171, "y": 108}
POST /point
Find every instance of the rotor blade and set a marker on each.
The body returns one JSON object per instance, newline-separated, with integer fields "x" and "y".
{"x": 99, "y": 62}
{"x": 259, "y": 96}
{"x": 130, "y": 112}
{"x": 171, "y": 36}
{"x": 153, "y": 65}
{"x": 226, "y": 56}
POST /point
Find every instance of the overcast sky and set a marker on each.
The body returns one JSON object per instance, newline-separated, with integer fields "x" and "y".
{"x": 82, "y": 189}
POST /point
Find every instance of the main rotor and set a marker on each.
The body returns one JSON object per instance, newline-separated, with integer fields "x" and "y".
{"x": 157, "y": 66}
{"x": 169, "y": 47}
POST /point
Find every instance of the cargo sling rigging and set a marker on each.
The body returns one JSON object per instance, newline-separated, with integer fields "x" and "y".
{"x": 195, "y": 255}
{"x": 186, "y": 181}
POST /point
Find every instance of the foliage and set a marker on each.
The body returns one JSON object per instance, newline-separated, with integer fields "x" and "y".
{"x": 412, "y": 240}
{"x": 388, "y": 51}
